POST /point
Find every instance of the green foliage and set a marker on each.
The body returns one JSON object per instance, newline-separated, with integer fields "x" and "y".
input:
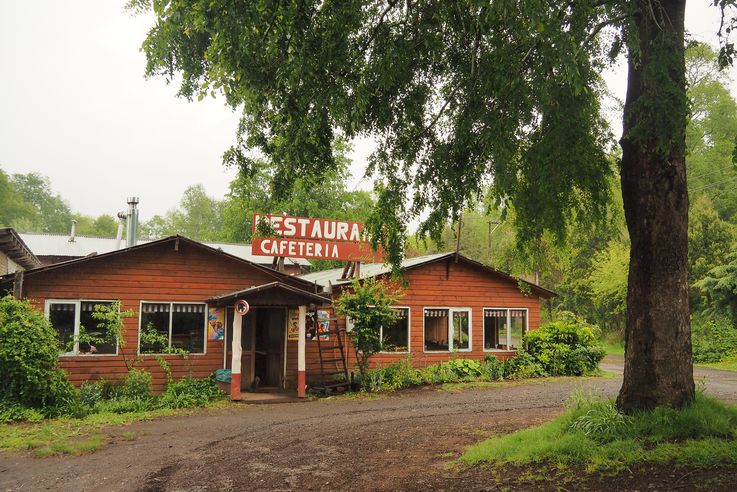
{"x": 306, "y": 74}
{"x": 593, "y": 434}
{"x": 250, "y": 193}
{"x": 369, "y": 305}
{"x": 12, "y": 411}
{"x": 46, "y": 210}
{"x": 137, "y": 384}
{"x": 714, "y": 338}
{"x": 199, "y": 217}
{"x": 719, "y": 287}
{"x": 568, "y": 347}
{"x": 402, "y": 374}
{"x": 28, "y": 359}
{"x": 710, "y": 239}
{"x": 189, "y": 392}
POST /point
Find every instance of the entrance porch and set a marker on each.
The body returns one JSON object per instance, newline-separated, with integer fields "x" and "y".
{"x": 257, "y": 343}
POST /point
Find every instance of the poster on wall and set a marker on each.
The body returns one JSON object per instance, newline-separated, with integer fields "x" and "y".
{"x": 323, "y": 324}
{"x": 293, "y": 325}
{"x": 215, "y": 323}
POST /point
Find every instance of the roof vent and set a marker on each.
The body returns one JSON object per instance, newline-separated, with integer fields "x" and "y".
{"x": 131, "y": 237}
{"x": 73, "y": 232}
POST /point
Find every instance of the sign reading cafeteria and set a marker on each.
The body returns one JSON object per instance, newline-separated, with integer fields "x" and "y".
{"x": 302, "y": 237}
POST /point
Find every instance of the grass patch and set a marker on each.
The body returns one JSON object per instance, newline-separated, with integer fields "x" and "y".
{"x": 67, "y": 435}
{"x": 729, "y": 364}
{"x": 613, "y": 347}
{"x": 592, "y": 434}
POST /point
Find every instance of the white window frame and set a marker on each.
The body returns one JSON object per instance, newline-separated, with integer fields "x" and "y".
{"x": 451, "y": 332}
{"x": 171, "y": 324}
{"x": 409, "y": 333}
{"x": 509, "y": 326}
{"x": 77, "y": 316}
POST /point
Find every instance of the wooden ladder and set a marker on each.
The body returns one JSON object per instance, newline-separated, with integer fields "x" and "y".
{"x": 331, "y": 367}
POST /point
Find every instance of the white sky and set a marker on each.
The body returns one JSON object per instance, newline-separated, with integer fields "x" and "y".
{"x": 74, "y": 106}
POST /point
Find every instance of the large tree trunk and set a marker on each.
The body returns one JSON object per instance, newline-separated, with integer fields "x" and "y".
{"x": 658, "y": 368}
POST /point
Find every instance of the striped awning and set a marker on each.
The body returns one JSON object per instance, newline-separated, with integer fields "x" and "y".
{"x": 189, "y": 308}
{"x": 401, "y": 312}
{"x": 148, "y": 307}
{"x": 90, "y": 306}
{"x": 436, "y": 313}
{"x": 502, "y": 313}
{"x": 61, "y": 307}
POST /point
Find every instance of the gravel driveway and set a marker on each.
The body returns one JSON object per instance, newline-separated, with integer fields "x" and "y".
{"x": 400, "y": 441}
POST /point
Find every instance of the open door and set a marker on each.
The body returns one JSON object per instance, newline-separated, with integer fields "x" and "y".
{"x": 270, "y": 327}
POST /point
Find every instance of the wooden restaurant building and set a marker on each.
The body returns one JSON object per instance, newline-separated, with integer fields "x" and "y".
{"x": 290, "y": 339}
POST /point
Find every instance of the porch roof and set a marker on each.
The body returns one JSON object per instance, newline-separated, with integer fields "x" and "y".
{"x": 271, "y": 294}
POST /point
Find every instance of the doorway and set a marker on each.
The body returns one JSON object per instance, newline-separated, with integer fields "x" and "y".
{"x": 269, "y": 347}
{"x": 262, "y": 341}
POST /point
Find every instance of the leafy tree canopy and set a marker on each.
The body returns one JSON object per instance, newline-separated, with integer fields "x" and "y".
{"x": 419, "y": 76}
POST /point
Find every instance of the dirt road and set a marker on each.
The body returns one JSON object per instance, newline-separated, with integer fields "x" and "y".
{"x": 399, "y": 441}
{"x": 403, "y": 441}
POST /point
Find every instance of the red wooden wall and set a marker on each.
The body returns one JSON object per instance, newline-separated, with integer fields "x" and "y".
{"x": 153, "y": 273}
{"x": 441, "y": 284}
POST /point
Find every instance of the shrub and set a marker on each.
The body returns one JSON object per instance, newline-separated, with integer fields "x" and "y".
{"x": 11, "y": 411}
{"x": 568, "y": 347}
{"x": 714, "y": 338}
{"x": 369, "y": 305}
{"x": 189, "y": 392}
{"x": 91, "y": 393}
{"x": 28, "y": 359}
{"x": 137, "y": 384}
{"x": 523, "y": 366}
{"x": 492, "y": 369}
{"x": 124, "y": 404}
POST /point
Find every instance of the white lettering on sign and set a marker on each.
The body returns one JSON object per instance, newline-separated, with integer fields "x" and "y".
{"x": 317, "y": 229}
{"x": 308, "y": 248}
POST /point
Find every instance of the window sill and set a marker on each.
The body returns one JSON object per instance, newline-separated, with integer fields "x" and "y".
{"x": 172, "y": 355}
{"x": 87, "y": 355}
{"x": 400, "y": 352}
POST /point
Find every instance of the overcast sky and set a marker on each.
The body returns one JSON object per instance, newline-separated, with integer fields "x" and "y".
{"x": 74, "y": 106}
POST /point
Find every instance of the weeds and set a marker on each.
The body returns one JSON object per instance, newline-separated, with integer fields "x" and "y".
{"x": 593, "y": 434}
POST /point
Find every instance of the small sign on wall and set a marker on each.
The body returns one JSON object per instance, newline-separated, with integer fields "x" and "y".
{"x": 215, "y": 323}
{"x": 293, "y": 325}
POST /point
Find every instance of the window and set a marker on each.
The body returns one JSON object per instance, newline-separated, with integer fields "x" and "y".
{"x": 447, "y": 329}
{"x": 504, "y": 328}
{"x": 79, "y": 333}
{"x": 174, "y": 325}
{"x": 395, "y": 338}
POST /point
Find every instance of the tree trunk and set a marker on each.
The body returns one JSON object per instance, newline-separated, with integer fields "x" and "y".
{"x": 658, "y": 369}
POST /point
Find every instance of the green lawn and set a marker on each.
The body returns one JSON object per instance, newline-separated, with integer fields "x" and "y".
{"x": 76, "y": 436}
{"x": 613, "y": 347}
{"x": 592, "y": 434}
{"x": 726, "y": 365}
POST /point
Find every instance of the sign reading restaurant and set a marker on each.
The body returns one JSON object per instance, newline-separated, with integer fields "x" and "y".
{"x": 302, "y": 237}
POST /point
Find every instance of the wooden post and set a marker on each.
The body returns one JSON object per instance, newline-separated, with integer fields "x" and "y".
{"x": 235, "y": 381}
{"x": 301, "y": 345}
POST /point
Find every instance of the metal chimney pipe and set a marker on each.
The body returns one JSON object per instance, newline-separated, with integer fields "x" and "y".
{"x": 119, "y": 235}
{"x": 131, "y": 237}
{"x": 73, "y": 233}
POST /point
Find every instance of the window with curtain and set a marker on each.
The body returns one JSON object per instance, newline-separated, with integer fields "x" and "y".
{"x": 175, "y": 326}
{"x": 504, "y": 328}
{"x": 395, "y": 338}
{"x": 78, "y": 331}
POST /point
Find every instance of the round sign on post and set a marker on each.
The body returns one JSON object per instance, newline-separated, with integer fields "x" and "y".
{"x": 242, "y": 307}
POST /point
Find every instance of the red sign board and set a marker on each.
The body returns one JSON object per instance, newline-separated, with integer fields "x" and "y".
{"x": 324, "y": 239}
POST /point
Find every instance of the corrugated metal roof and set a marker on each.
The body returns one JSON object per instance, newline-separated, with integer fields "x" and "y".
{"x": 367, "y": 270}
{"x": 60, "y": 245}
